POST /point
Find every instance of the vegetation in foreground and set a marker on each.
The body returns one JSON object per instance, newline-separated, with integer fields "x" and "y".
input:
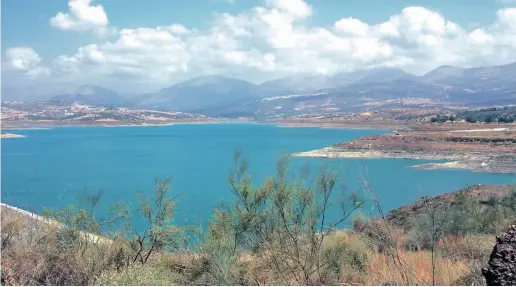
{"x": 277, "y": 233}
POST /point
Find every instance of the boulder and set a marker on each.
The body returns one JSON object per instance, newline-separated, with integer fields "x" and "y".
{"x": 501, "y": 268}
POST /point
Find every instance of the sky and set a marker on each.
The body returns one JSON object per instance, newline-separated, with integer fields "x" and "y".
{"x": 134, "y": 46}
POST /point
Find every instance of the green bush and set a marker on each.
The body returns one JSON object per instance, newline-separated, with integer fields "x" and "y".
{"x": 466, "y": 216}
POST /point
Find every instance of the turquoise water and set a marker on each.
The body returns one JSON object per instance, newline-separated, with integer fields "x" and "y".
{"x": 56, "y": 167}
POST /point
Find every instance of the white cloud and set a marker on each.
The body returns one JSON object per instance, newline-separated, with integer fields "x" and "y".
{"x": 352, "y": 26}
{"x": 81, "y": 17}
{"x": 506, "y": 2}
{"x": 23, "y": 60}
{"x": 178, "y": 29}
{"x": 276, "y": 40}
{"x": 296, "y": 8}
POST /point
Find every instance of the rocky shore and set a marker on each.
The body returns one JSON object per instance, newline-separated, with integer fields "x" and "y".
{"x": 406, "y": 216}
{"x": 480, "y": 150}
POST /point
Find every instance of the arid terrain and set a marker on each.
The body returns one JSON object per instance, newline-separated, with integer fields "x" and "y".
{"x": 40, "y": 114}
{"x": 476, "y": 147}
{"x": 406, "y": 216}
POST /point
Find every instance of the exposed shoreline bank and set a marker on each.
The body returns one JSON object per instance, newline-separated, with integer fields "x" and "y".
{"x": 10, "y": 136}
{"x": 359, "y": 125}
{"x": 36, "y": 221}
{"x": 349, "y": 125}
{"x": 46, "y": 125}
{"x": 476, "y": 163}
{"x": 491, "y": 150}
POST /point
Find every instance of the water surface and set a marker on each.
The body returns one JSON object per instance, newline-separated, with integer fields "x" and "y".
{"x": 56, "y": 167}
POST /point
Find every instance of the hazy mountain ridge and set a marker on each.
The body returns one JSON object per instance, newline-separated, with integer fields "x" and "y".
{"x": 222, "y": 96}
{"x": 93, "y": 95}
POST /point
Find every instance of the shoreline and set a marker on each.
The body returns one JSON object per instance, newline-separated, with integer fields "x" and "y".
{"x": 47, "y": 126}
{"x": 474, "y": 163}
{"x": 358, "y": 125}
{"x": 406, "y": 216}
{"x": 346, "y": 126}
{"x": 350, "y": 125}
{"x": 486, "y": 148}
{"x": 11, "y": 136}
{"x": 39, "y": 219}
{"x": 50, "y": 125}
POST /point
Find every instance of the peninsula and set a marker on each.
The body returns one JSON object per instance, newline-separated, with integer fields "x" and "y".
{"x": 476, "y": 147}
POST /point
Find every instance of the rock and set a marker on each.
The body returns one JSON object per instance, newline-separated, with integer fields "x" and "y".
{"x": 501, "y": 268}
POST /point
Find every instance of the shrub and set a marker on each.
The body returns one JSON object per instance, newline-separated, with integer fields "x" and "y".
{"x": 138, "y": 275}
{"x": 159, "y": 233}
{"x": 12, "y": 226}
{"x": 283, "y": 222}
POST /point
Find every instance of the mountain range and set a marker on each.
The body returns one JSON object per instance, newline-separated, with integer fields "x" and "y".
{"x": 351, "y": 91}
{"x": 93, "y": 95}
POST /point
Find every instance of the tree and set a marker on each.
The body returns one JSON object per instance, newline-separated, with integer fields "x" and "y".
{"x": 159, "y": 233}
{"x": 470, "y": 119}
{"x": 285, "y": 223}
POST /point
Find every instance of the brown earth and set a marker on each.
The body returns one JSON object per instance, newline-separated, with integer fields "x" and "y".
{"x": 113, "y": 123}
{"x": 476, "y": 147}
{"x": 405, "y": 216}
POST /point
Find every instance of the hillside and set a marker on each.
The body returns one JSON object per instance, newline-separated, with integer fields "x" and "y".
{"x": 406, "y": 216}
{"x": 93, "y": 95}
{"x": 361, "y": 90}
{"x": 50, "y": 113}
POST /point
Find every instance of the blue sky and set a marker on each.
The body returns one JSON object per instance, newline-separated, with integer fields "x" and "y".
{"x": 251, "y": 39}
{"x": 29, "y": 27}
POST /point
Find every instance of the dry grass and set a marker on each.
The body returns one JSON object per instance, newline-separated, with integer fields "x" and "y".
{"x": 380, "y": 267}
{"x": 33, "y": 258}
{"x": 467, "y": 246}
{"x": 447, "y": 272}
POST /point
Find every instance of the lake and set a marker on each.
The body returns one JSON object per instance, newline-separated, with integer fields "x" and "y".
{"x": 56, "y": 167}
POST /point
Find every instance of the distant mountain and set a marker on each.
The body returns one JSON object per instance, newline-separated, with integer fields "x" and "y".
{"x": 476, "y": 86}
{"x": 381, "y": 75}
{"x": 350, "y": 91}
{"x": 208, "y": 93}
{"x": 442, "y": 73}
{"x": 93, "y": 95}
{"x": 321, "y": 82}
{"x": 390, "y": 88}
{"x": 368, "y": 89}
{"x": 449, "y": 74}
{"x": 300, "y": 83}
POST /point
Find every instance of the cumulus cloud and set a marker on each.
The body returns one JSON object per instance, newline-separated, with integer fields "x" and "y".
{"x": 81, "y": 17}
{"x": 352, "y": 26}
{"x": 275, "y": 40}
{"x": 25, "y": 61}
{"x": 296, "y": 8}
{"x": 506, "y": 2}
